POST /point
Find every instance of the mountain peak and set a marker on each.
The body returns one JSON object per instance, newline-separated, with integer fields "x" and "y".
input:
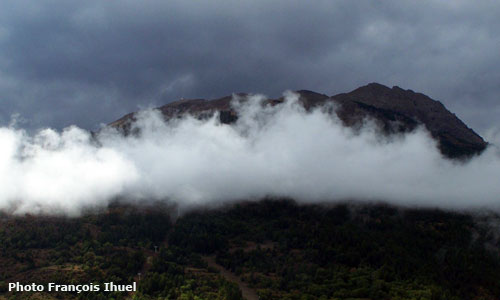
{"x": 394, "y": 109}
{"x": 410, "y": 109}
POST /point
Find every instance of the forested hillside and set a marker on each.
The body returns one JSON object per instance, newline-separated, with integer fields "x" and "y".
{"x": 277, "y": 248}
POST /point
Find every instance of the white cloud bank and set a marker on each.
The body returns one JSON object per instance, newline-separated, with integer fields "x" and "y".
{"x": 271, "y": 151}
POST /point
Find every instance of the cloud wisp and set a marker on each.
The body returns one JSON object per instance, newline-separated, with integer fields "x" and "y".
{"x": 278, "y": 151}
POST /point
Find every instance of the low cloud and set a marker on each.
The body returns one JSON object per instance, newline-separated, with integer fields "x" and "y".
{"x": 280, "y": 151}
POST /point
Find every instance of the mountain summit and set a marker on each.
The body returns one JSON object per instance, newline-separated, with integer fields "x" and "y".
{"x": 410, "y": 109}
{"x": 393, "y": 109}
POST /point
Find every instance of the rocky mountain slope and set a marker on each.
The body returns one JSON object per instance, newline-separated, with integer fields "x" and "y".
{"x": 395, "y": 110}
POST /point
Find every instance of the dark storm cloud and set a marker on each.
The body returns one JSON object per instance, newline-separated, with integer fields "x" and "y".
{"x": 89, "y": 62}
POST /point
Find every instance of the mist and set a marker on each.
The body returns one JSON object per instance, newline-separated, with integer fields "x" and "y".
{"x": 278, "y": 151}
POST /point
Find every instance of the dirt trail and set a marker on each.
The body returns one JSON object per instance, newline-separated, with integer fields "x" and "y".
{"x": 247, "y": 292}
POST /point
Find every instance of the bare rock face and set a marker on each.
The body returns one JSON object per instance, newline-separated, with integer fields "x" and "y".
{"x": 394, "y": 110}
{"x": 199, "y": 108}
{"x": 409, "y": 109}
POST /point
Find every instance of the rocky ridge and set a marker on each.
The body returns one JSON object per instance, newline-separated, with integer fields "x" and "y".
{"x": 395, "y": 110}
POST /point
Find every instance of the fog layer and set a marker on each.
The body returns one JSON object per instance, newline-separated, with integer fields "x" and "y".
{"x": 280, "y": 151}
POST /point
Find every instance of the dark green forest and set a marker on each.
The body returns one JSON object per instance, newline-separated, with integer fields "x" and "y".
{"x": 276, "y": 248}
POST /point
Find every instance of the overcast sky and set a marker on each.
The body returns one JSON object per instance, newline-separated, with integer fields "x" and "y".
{"x": 89, "y": 62}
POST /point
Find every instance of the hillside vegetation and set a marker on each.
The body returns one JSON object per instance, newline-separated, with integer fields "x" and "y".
{"x": 278, "y": 248}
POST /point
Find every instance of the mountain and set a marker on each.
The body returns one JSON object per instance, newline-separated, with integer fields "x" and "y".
{"x": 269, "y": 248}
{"x": 395, "y": 110}
{"x": 410, "y": 109}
